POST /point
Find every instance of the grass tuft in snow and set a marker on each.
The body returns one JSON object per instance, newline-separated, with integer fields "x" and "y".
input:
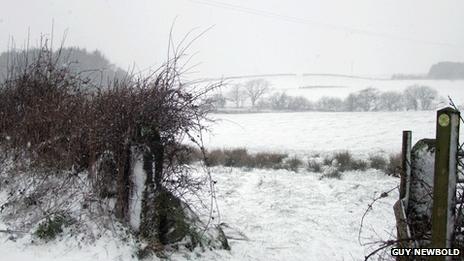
{"x": 359, "y": 165}
{"x": 269, "y": 160}
{"x": 344, "y": 161}
{"x": 50, "y": 228}
{"x": 331, "y": 172}
{"x": 378, "y": 162}
{"x": 237, "y": 158}
{"x": 394, "y": 165}
{"x": 293, "y": 164}
{"x": 241, "y": 158}
{"x": 314, "y": 166}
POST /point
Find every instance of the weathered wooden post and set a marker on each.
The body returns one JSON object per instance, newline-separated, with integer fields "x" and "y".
{"x": 444, "y": 193}
{"x": 400, "y": 206}
{"x": 405, "y": 167}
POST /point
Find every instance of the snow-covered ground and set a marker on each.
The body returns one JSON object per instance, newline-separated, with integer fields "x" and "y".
{"x": 296, "y": 216}
{"x": 272, "y": 215}
{"x": 314, "y": 132}
{"x": 68, "y": 249}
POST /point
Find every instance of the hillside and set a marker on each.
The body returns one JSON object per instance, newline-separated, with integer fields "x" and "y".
{"x": 93, "y": 65}
{"x": 447, "y": 70}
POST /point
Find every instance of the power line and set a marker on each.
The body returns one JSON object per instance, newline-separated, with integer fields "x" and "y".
{"x": 306, "y": 21}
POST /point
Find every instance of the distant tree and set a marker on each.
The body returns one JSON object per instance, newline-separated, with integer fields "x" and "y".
{"x": 369, "y": 99}
{"x": 217, "y": 101}
{"x": 299, "y": 103}
{"x": 236, "y": 95}
{"x": 420, "y": 97}
{"x": 279, "y": 101}
{"x": 255, "y": 89}
{"x": 391, "y": 101}
{"x": 329, "y": 104}
{"x": 364, "y": 100}
{"x": 350, "y": 102}
{"x": 263, "y": 104}
{"x": 282, "y": 101}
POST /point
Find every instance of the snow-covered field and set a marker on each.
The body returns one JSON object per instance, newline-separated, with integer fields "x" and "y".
{"x": 314, "y": 132}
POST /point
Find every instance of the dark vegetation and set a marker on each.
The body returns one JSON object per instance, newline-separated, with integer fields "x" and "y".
{"x": 92, "y": 66}
{"x": 314, "y": 166}
{"x": 62, "y": 118}
{"x": 241, "y": 158}
{"x": 345, "y": 162}
{"x": 394, "y": 165}
{"x": 378, "y": 162}
{"x": 52, "y": 227}
{"x": 76, "y": 141}
{"x": 340, "y": 161}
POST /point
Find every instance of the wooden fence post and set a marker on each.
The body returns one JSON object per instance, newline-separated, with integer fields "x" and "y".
{"x": 400, "y": 206}
{"x": 444, "y": 191}
{"x": 405, "y": 168}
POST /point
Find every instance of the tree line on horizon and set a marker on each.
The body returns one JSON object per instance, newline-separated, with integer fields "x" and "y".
{"x": 256, "y": 95}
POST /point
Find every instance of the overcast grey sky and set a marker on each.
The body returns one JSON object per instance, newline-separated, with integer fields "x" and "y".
{"x": 253, "y": 36}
